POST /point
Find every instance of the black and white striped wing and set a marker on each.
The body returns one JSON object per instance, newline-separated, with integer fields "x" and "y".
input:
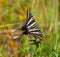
{"x": 32, "y": 26}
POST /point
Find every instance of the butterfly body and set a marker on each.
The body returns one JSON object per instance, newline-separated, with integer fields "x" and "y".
{"x": 24, "y": 29}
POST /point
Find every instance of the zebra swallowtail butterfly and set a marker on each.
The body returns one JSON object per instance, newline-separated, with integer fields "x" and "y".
{"x": 30, "y": 27}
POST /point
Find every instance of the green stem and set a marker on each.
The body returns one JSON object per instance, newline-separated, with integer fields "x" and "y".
{"x": 45, "y": 10}
{"x": 7, "y": 25}
{"x": 56, "y": 27}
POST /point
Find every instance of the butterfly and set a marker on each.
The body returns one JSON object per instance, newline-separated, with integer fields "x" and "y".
{"x": 30, "y": 27}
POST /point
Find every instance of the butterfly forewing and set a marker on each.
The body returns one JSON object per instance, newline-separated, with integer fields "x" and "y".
{"x": 32, "y": 27}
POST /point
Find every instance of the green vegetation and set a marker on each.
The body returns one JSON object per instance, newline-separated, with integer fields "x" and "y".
{"x": 13, "y": 16}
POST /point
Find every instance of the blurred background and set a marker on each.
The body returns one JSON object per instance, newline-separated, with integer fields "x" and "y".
{"x": 13, "y": 15}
